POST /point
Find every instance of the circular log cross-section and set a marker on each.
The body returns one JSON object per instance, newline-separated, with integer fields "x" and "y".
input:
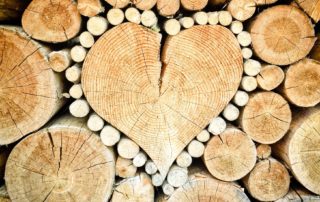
{"x": 65, "y": 162}
{"x": 162, "y": 109}
{"x": 268, "y": 181}
{"x": 201, "y": 187}
{"x": 168, "y": 7}
{"x": 270, "y": 77}
{"x": 302, "y": 83}
{"x": 193, "y": 5}
{"x": 231, "y": 155}
{"x": 276, "y": 45}
{"x": 266, "y": 118}
{"x": 311, "y": 7}
{"x": 52, "y": 20}
{"x": 300, "y": 148}
{"x": 29, "y": 89}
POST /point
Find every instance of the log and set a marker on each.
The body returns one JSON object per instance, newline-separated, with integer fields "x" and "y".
{"x": 186, "y": 22}
{"x": 217, "y": 126}
{"x": 315, "y": 52}
{"x": 264, "y": 2}
{"x": 144, "y": 4}
{"x": 268, "y": 181}
{"x": 137, "y": 188}
{"x": 58, "y": 162}
{"x": 242, "y": 10}
{"x": 52, "y": 20}
{"x": 184, "y": 159}
{"x": 115, "y": 16}
{"x": 157, "y": 179}
{"x": 195, "y": 148}
{"x": 127, "y": 148}
{"x": 109, "y": 136}
{"x": 4, "y": 196}
{"x": 231, "y": 155}
{"x": 86, "y": 39}
{"x": 76, "y": 91}
{"x": 246, "y": 53}
{"x": 177, "y": 176}
{"x": 311, "y": 7}
{"x": 109, "y": 95}
{"x": 172, "y": 27}
{"x": 248, "y": 83}
{"x": 244, "y": 38}
{"x": 125, "y": 168}
{"x": 270, "y": 77}
{"x": 79, "y": 108}
{"x": 236, "y": 27}
{"x": 263, "y": 151}
{"x": 203, "y": 136}
{"x": 133, "y": 15}
{"x": 140, "y": 159}
{"x": 151, "y": 167}
{"x": 90, "y": 8}
{"x": 241, "y": 98}
{"x": 193, "y": 5}
{"x": 13, "y": 9}
{"x": 78, "y": 53}
{"x": 299, "y": 149}
{"x": 213, "y": 18}
{"x": 202, "y": 187}
{"x": 225, "y": 18}
{"x": 302, "y": 83}
{"x": 149, "y": 18}
{"x": 231, "y": 112}
{"x": 30, "y": 92}
{"x": 168, "y": 7}
{"x": 73, "y": 74}
{"x": 200, "y": 18}
{"x": 282, "y": 46}
{"x": 97, "y": 25}
{"x": 118, "y": 3}
{"x": 95, "y": 122}
{"x": 266, "y": 118}
{"x": 252, "y": 67}
{"x": 167, "y": 188}
{"x": 60, "y": 60}
{"x": 299, "y": 194}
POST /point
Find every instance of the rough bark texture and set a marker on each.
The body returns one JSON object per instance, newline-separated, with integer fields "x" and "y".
{"x": 135, "y": 189}
{"x": 159, "y": 108}
{"x": 266, "y": 118}
{"x": 12, "y": 9}
{"x": 52, "y": 20}
{"x": 279, "y": 46}
{"x": 302, "y": 83}
{"x": 30, "y": 92}
{"x": 202, "y": 187}
{"x": 231, "y": 155}
{"x": 268, "y": 181}
{"x": 300, "y": 148}
{"x": 311, "y": 7}
{"x": 64, "y": 162}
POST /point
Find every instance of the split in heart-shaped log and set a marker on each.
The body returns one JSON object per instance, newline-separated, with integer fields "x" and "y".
{"x": 162, "y": 109}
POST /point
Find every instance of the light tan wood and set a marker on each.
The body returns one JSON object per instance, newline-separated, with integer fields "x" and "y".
{"x": 231, "y": 112}
{"x": 231, "y": 155}
{"x": 217, "y": 125}
{"x": 52, "y": 20}
{"x": 300, "y": 148}
{"x": 186, "y": 22}
{"x": 118, "y": 3}
{"x": 266, "y": 118}
{"x": 279, "y": 46}
{"x": 140, "y": 159}
{"x": 213, "y": 18}
{"x": 242, "y": 10}
{"x": 248, "y": 83}
{"x": 76, "y": 91}
{"x": 311, "y": 7}
{"x": 125, "y": 168}
{"x": 200, "y": 18}
{"x": 30, "y": 92}
{"x": 137, "y": 188}
{"x": 201, "y": 187}
{"x": 225, "y": 18}
{"x": 302, "y": 83}
{"x": 246, "y": 53}
{"x": 168, "y": 7}
{"x": 86, "y": 39}
{"x": 195, "y": 148}
{"x": 95, "y": 122}
{"x": 127, "y": 148}
{"x": 244, "y": 38}
{"x": 90, "y": 8}
{"x": 60, "y": 60}
{"x": 172, "y": 27}
{"x": 115, "y": 16}
{"x": 150, "y": 167}
{"x": 241, "y": 98}
{"x": 59, "y": 162}
{"x": 236, "y": 27}
{"x": 263, "y": 151}
{"x": 193, "y": 5}
{"x": 13, "y": 9}
{"x": 268, "y": 181}
{"x": 79, "y": 108}
{"x": 299, "y": 194}
{"x": 184, "y": 159}
{"x": 144, "y": 4}
{"x": 167, "y": 188}
{"x": 73, "y": 73}
{"x": 252, "y": 67}
{"x": 177, "y": 176}
{"x": 203, "y": 136}
{"x": 264, "y": 2}
{"x": 133, "y": 15}
{"x": 97, "y": 25}
{"x": 270, "y": 77}
{"x": 78, "y": 53}
{"x": 157, "y": 179}
{"x": 109, "y": 135}
{"x": 315, "y": 52}
{"x": 149, "y": 18}
{"x": 179, "y": 123}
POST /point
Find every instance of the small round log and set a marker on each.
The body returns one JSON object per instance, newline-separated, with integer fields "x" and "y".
{"x": 76, "y": 91}
{"x": 200, "y": 18}
{"x": 252, "y": 67}
{"x": 270, "y": 77}
{"x": 217, "y": 126}
{"x": 127, "y": 148}
{"x": 97, "y": 25}
{"x": 242, "y": 10}
{"x": 268, "y": 181}
{"x": 203, "y": 136}
{"x": 149, "y": 18}
{"x": 140, "y": 160}
{"x": 125, "y": 168}
{"x": 231, "y": 155}
{"x": 177, "y": 176}
{"x": 241, "y": 98}
{"x": 79, "y": 108}
{"x": 109, "y": 135}
{"x": 60, "y": 60}
{"x": 172, "y": 27}
{"x": 118, "y": 3}
{"x": 193, "y": 5}
{"x": 133, "y": 15}
{"x": 225, "y": 18}
{"x": 263, "y": 151}
{"x": 95, "y": 122}
{"x": 213, "y": 18}
{"x": 231, "y": 112}
{"x": 90, "y": 8}
{"x": 115, "y": 16}
{"x": 168, "y": 7}
{"x": 144, "y": 4}
{"x": 248, "y": 83}
{"x": 195, "y": 148}
{"x": 186, "y": 22}
{"x": 266, "y": 118}
{"x": 52, "y": 20}
{"x": 184, "y": 159}
{"x": 59, "y": 162}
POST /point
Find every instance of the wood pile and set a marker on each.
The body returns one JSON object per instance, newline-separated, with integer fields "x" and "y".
{"x": 159, "y": 100}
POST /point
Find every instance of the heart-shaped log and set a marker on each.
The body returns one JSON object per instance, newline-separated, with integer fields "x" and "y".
{"x": 162, "y": 109}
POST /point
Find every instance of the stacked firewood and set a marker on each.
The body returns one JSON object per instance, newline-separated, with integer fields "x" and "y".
{"x": 160, "y": 100}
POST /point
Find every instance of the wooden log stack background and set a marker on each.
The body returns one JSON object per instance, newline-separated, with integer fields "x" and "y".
{"x": 159, "y": 100}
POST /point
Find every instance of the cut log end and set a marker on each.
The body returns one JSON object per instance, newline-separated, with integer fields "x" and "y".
{"x": 242, "y": 9}
{"x": 127, "y": 148}
{"x": 60, "y": 60}
{"x": 311, "y": 7}
{"x": 118, "y": 3}
{"x": 144, "y": 4}
{"x": 193, "y": 5}
{"x": 168, "y": 7}
{"x": 125, "y": 168}
{"x": 263, "y": 151}
{"x": 29, "y": 90}
{"x": 266, "y": 118}
{"x": 90, "y": 8}
{"x": 270, "y": 77}
{"x": 88, "y": 161}
{"x": 231, "y": 155}
{"x": 52, "y": 21}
